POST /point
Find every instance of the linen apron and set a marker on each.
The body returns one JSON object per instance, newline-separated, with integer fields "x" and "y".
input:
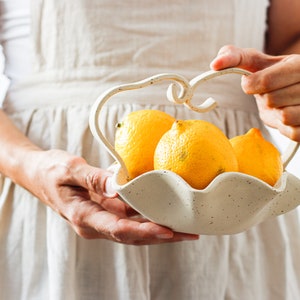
{"x": 81, "y": 48}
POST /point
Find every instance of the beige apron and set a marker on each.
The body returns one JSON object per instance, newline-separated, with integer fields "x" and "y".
{"x": 83, "y": 47}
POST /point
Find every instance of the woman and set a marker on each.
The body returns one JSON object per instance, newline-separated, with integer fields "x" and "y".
{"x": 63, "y": 232}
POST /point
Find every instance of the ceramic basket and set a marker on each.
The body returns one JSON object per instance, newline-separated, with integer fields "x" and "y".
{"x": 233, "y": 202}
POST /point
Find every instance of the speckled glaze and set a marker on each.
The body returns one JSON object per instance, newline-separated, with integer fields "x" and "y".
{"x": 232, "y": 203}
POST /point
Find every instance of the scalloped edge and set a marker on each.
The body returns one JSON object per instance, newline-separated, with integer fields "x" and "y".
{"x": 186, "y": 209}
{"x": 121, "y": 181}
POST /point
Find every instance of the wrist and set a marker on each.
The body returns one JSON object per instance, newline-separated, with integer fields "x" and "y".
{"x": 19, "y": 163}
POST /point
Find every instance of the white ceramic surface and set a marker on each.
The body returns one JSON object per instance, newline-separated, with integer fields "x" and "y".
{"x": 232, "y": 203}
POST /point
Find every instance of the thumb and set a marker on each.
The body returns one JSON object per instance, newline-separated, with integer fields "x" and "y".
{"x": 94, "y": 179}
{"x": 245, "y": 58}
{"x": 109, "y": 191}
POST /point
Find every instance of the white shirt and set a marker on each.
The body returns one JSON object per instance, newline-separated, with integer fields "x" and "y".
{"x": 15, "y": 42}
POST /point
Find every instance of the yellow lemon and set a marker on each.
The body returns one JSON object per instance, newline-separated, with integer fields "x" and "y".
{"x": 137, "y": 136}
{"x": 196, "y": 150}
{"x": 257, "y": 157}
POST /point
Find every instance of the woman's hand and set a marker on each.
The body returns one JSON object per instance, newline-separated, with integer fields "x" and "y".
{"x": 275, "y": 83}
{"x": 82, "y": 194}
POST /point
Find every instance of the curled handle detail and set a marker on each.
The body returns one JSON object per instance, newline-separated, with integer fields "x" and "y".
{"x": 180, "y": 91}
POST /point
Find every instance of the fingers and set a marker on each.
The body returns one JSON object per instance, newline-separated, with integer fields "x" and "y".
{"x": 285, "y": 119}
{"x": 108, "y": 189}
{"x": 275, "y": 82}
{"x": 246, "y": 58}
{"x": 98, "y": 180}
{"x": 269, "y": 72}
{"x": 287, "y": 96}
{"x": 76, "y": 191}
{"x": 127, "y": 231}
{"x": 91, "y": 178}
{"x": 112, "y": 219}
{"x": 281, "y": 109}
{"x": 284, "y": 75}
{"x": 115, "y": 206}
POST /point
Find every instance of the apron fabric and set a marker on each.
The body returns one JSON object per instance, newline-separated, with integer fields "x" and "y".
{"x": 81, "y": 48}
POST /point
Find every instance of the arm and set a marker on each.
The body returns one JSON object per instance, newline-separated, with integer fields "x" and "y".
{"x": 75, "y": 190}
{"x": 283, "y": 36}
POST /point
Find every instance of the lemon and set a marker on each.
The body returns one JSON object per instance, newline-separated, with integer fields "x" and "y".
{"x": 137, "y": 136}
{"x": 257, "y": 157}
{"x": 196, "y": 150}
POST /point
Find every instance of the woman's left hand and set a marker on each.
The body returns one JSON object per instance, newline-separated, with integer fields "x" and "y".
{"x": 275, "y": 83}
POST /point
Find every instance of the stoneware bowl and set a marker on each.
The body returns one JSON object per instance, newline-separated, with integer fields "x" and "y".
{"x": 233, "y": 202}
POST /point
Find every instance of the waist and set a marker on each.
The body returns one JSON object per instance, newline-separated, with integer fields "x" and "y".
{"x": 40, "y": 92}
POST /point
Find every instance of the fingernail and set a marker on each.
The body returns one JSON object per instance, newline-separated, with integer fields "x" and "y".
{"x": 165, "y": 235}
{"x": 109, "y": 191}
{"x": 191, "y": 237}
{"x": 223, "y": 53}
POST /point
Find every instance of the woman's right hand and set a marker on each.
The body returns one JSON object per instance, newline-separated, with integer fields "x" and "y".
{"x": 78, "y": 192}
{"x": 82, "y": 195}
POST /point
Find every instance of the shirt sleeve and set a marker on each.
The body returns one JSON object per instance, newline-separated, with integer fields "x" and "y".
{"x": 4, "y": 81}
{"x": 14, "y": 43}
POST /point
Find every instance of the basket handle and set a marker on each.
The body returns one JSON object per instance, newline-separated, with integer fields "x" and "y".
{"x": 180, "y": 91}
